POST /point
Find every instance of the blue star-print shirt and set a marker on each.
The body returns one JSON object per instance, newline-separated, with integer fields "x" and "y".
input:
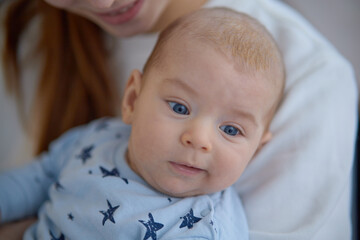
{"x": 84, "y": 189}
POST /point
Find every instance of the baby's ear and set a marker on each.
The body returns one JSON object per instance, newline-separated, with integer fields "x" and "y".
{"x": 267, "y": 136}
{"x": 131, "y": 94}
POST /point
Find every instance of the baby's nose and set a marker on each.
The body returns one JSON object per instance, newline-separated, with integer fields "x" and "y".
{"x": 196, "y": 140}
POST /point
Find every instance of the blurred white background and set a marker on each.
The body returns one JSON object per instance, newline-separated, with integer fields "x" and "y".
{"x": 338, "y": 21}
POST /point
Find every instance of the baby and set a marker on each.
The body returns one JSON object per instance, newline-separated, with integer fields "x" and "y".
{"x": 199, "y": 112}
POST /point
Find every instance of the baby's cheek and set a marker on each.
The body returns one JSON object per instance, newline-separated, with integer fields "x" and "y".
{"x": 229, "y": 170}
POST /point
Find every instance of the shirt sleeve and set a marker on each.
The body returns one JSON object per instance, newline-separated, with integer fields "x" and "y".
{"x": 23, "y": 190}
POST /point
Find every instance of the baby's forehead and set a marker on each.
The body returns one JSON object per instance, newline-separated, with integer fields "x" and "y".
{"x": 186, "y": 45}
{"x": 235, "y": 35}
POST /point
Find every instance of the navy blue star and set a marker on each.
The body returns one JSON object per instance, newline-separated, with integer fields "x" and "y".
{"x": 62, "y": 237}
{"x": 151, "y": 227}
{"x": 108, "y": 214}
{"x": 85, "y": 153}
{"x": 169, "y": 199}
{"x": 125, "y": 180}
{"x": 114, "y": 172}
{"x": 70, "y": 216}
{"x": 58, "y": 186}
{"x": 189, "y": 220}
{"x": 90, "y": 172}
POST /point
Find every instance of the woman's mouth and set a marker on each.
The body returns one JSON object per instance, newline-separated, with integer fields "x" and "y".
{"x": 121, "y": 15}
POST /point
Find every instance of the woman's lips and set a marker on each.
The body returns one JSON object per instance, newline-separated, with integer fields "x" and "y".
{"x": 121, "y": 15}
{"x": 185, "y": 170}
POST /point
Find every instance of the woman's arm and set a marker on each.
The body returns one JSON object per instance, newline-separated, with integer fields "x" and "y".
{"x": 15, "y": 230}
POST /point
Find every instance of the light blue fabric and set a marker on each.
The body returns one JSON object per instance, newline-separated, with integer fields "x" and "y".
{"x": 91, "y": 193}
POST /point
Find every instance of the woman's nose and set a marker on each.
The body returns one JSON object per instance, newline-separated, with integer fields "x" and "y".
{"x": 102, "y": 3}
{"x": 197, "y": 137}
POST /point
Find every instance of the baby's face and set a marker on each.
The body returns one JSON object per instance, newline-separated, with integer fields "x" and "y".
{"x": 196, "y": 122}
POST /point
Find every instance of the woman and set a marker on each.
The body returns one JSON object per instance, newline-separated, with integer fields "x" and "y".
{"x": 307, "y": 165}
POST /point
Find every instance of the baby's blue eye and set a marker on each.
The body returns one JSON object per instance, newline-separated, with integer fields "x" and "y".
{"x": 230, "y": 130}
{"x": 179, "y": 108}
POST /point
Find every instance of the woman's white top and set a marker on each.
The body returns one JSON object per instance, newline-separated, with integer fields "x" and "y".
{"x": 298, "y": 186}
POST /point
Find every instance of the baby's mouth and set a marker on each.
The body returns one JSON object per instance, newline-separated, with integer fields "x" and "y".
{"x": 185, "y": 169}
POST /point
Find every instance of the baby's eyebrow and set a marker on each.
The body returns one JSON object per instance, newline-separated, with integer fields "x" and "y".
{"x": 246, "y": 115}
{"x": 178, "y": 83}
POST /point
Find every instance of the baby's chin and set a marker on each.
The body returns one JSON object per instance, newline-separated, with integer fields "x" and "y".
{"x": 182, "y": 187}
{"x": 182, "y": 193}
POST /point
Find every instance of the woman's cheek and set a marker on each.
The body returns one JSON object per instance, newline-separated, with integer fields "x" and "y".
{"x": 60, "y": 3}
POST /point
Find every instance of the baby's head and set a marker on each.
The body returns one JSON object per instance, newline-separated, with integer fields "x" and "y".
{"x": 202, "y": 107}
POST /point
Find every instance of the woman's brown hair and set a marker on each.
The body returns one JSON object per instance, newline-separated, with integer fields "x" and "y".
{"x": 75, "y": 85}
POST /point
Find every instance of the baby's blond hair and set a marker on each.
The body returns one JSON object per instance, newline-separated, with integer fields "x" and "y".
{"x": 235, "y": 34}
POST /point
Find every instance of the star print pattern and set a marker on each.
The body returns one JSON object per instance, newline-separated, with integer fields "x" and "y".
{"x": 62, "y": 237}
{"x": 108, "y": 214}
{"x": 58, "y": 186}
{"x": 85, "y": 153}
{"x": 189, "y": 219}
{"x": 101, "y": 126}
{"x": 151, "y": 227}
{"x": 114, "y": 172}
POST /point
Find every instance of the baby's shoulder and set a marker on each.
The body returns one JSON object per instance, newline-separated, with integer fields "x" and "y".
{"x": 104, "y": 129}
{"x": 107, "y": 124}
